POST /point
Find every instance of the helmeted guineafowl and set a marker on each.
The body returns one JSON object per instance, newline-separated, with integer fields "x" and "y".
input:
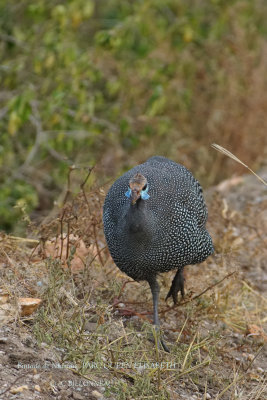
{"x": 154, "y": 221}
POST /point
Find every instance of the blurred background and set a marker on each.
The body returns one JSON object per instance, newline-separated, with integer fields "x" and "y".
{"x": 111, "y": 83}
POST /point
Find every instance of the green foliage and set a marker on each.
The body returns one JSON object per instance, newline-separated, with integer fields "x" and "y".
{"x": 15, "y": 202}
{"x": 85, "y": 79}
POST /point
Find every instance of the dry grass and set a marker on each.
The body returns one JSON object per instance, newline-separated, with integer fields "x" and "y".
{"x": 99, "y": 320}
{"x": 231, "y": 155}
{"x": 228, "y": 99}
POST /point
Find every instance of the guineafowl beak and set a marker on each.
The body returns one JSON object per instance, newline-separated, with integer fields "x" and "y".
{"x": 136, "y": 184}
{"x": 135, "y": 196}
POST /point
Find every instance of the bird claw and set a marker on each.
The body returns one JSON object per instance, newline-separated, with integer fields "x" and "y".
{"x": 159, "y": 342}
{"x": 176, "y": 287}
{"x": 173, "y": 292}
{"x": 165, "y": 347}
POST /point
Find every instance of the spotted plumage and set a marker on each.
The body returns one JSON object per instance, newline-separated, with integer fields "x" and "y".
{"x": 154, "y": 221}
{"x": 166, "y": 231}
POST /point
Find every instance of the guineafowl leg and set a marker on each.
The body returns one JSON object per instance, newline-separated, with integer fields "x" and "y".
{"x": 154, "y": 286}
{"x": 177, "y": 286}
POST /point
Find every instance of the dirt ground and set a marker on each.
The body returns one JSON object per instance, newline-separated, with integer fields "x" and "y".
{"x": 216, "y": 338}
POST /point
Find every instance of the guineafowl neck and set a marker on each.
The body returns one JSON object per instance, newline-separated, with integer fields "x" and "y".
{"x": 137, "y": 218}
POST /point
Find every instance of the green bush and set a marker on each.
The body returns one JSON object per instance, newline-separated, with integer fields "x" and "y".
{"x": 89, "y": 81}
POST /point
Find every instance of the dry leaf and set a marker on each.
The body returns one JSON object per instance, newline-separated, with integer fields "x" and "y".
{"x": 18, "y": 389}
{"x": 254, "y": 377}
{"x": 236, "y": 243}
{"x": 28, "y": 305}
{"x": 58, "y": 248}
{"x": 256, "y": 331}
{"x": 4, "y": 298}
{"x": 37, "y": 387}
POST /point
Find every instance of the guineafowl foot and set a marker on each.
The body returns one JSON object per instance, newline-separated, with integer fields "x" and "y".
{"x": 159, "y": 342}
{"x": 176, "y": 286}
{"x": 165, "y": 347}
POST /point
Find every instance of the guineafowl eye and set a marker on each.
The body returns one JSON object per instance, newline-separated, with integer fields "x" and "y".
{"x": 157, "y": 230}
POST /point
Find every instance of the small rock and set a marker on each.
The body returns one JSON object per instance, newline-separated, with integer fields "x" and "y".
{"x": 90, "y": 326}
{"x": 77, "y": 396}
{"x": 65, "y": 393}
{"x": 236, "y": 335}
{"x": 96, "y": 394}
{"x": 28, "y": 341}
{"x": 208, "y": 396}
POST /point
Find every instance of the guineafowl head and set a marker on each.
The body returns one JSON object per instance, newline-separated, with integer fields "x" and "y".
{"x": 138, "y": 188}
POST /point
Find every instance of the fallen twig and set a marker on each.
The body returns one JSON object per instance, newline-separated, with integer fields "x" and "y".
{"x": 13, "y": 383}
{"x": 20, "y": 239}
{"x": 200, "y": 294}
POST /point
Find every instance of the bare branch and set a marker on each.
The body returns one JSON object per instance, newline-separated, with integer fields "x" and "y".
{"x": 35, "y": 119}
